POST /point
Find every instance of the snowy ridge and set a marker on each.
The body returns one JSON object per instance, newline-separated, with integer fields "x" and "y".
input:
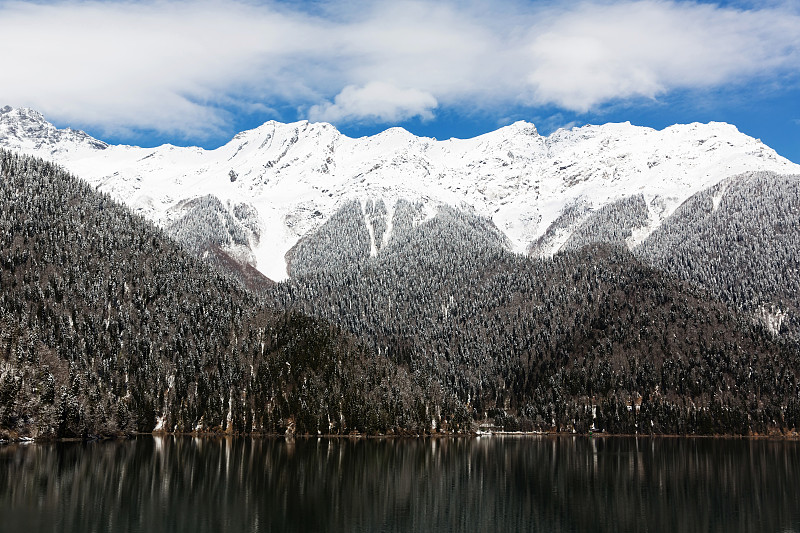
{"x": 297, "y": 175}
{"x": 27, "y": 131}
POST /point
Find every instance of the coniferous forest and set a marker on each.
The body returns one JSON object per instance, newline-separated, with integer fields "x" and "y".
{"x": 108, "y": 326}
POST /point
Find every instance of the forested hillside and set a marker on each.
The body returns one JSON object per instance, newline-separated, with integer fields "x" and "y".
{"x": 544, "y": 344}
{"x": 740, "y": 240}
{"x": 613, "y": 223}
{"x": 222, "y": 235}
{"x": 108, "y": 327}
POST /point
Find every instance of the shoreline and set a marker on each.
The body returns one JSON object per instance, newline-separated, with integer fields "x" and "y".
{"x": 792, "y": 436}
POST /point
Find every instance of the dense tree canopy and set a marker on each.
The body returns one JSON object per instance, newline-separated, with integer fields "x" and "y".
{"x": 589, "y": 336}
{"x": 107, "y": 326}
{"x": 401, "y": 324}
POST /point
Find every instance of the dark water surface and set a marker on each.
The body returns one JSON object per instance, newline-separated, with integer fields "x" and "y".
{"x": 154, "y": 484}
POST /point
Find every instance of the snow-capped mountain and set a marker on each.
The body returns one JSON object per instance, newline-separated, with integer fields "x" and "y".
{"x": 27, "y": 131}
{"x": 278, "y": 182}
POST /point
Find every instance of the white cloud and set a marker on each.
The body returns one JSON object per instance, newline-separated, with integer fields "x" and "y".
{"x": 176, "y": 67}
{"x": 159, "y": 65}
{"x": 375, "y": 102}
{"x": 642, "y": 49}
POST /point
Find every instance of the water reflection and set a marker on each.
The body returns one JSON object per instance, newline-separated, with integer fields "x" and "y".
{"x": 503, "y": 484}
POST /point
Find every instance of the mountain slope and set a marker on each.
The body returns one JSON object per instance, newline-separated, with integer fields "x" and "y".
{"x": 560, "y": 343}
{"x": 26, "y": 130}
{"x": 740, "y": 240}
{"x": 107, "y": 326}
{"x": 295, "y": 177}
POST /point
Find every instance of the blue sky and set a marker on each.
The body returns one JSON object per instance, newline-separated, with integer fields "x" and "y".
{"x": 198, "y": 72}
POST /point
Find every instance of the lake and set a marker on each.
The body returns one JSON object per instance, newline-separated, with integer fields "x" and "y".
{"x": 499, "y": 483}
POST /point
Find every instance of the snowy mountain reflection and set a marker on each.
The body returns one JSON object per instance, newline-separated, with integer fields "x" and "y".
{"x": 494, "y": 484}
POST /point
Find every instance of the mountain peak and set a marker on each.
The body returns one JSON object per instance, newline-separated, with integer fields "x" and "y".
{"x": 24, "y": 114}
{"x": 524, "y": 127}
{"x": 27, "y": 130}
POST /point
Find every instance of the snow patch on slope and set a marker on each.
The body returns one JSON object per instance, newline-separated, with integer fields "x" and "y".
{"x": 638, "y": 235}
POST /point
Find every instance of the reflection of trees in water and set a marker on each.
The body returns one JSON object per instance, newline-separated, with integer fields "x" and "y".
{"x": 504, "y": 484}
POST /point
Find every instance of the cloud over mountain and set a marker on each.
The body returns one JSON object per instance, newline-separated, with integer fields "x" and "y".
{"x": 378, "y": 101}
{"x": 187, "y": 67}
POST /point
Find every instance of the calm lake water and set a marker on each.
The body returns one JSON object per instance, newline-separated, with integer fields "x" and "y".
{"x": 487, "y": 484}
